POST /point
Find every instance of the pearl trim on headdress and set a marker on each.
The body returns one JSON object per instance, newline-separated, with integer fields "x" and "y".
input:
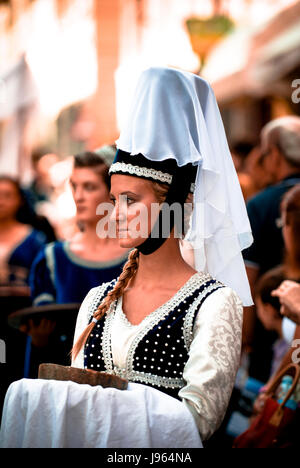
{"x": 141, "y": 172}
{"x": 138, "y": 171}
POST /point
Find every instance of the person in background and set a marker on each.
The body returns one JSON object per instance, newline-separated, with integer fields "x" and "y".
{"x": 274, "y": 285}
{"x": 239, "y": 153}
{"x": 19, "y": 242}
{"x": 64, "y": 271}
{"x": 288, "y": 294}
{"x": 39, "y": 191}
{"x": 254, "y": 167}
{"x": 288, "y": 275}
{"x": 290, "y": 222}
{"x": 280, "y": 146}
{"x": 41, "y": 188}
{"x": 280, "y": 153}
{"x": 268, "y": 312}
{"x": 107, "y": 153}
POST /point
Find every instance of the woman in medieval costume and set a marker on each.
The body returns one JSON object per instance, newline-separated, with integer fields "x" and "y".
{"x": 173, "y": 319}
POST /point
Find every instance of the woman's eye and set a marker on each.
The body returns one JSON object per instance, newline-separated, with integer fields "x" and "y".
{"x": 130, "y": 200}
{"x": 90, "y": 187}
{"x": 123, "y": 199}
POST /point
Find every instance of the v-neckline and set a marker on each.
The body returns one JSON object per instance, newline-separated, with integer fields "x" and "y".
{"x": 119, "y": 305}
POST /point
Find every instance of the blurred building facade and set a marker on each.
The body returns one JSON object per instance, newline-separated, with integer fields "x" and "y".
{"x": 260, "y": 81}
{"x": 68, "y": 67}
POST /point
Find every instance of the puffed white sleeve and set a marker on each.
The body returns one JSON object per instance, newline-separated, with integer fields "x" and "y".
{"x": 214, "y": 358}
{"x": 81, "y": 323}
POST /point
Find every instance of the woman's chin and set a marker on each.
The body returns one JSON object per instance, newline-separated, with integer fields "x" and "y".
{"x": 129, "y": 242}
{"x": 83, "y": 218}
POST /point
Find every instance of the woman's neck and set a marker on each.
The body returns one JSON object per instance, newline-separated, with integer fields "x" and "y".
{"x": 89, "y": 232}
{"x": 164, "y": 263}
{"x": 89, "y": 237}
{"x": 89, "y": 245}
{"x": 8, "y": 224}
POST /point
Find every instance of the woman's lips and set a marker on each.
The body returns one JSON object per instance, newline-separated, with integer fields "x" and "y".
{"x": 81, "y": 208}
{"x": 122, "y": 231}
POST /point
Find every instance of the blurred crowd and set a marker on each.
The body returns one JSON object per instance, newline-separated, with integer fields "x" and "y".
{"x": 50, "y": 259}
{"x": 270, "y": 179}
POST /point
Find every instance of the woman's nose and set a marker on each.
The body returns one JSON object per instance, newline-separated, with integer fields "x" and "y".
{"x": 118, "y": 214}
{"x": 78, "y": 194}
{"x": 114, "y": 214}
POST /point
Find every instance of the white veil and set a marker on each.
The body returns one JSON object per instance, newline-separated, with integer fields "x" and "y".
{"x": 174, "y": 114}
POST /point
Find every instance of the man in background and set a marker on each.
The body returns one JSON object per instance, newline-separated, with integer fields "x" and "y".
{"x": 280, "y": 146}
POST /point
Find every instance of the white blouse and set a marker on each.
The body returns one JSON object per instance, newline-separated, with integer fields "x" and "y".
{"x": 214, "y": 354}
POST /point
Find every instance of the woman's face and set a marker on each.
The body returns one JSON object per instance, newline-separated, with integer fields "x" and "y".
{"x": 89, "y": 190}
{"x": 10, "y": 200}
{"x": 135, "y": 209}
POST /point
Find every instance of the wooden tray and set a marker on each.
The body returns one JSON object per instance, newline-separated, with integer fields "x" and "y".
{"x": 81, "y": 376}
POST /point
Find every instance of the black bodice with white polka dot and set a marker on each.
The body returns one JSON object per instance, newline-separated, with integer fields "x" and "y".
{"x": 160, "y": 355}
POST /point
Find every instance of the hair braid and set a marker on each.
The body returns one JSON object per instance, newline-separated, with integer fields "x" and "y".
{"x": 127, "y": 274}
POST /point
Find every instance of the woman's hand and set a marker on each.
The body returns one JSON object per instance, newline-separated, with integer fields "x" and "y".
{"x": 39, "y": 333}
{"x": 289, "y": 297}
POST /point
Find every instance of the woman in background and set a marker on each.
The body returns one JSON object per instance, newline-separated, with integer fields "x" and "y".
{"x": 19, "y": 242}
{"x": 290, "y": 220}
{"x": 288, "y": 272}
{"x": 65, "y": 271}
{"x": 19, "y": 245}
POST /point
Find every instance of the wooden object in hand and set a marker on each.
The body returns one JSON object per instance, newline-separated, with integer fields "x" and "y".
{"x": 81, "y": 376}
